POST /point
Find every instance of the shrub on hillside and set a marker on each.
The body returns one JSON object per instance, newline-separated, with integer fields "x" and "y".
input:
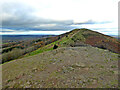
{"x": 55, "y": 46}
{"x": 15, "y": 53}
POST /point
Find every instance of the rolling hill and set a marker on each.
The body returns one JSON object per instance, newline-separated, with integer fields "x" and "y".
{"x": 82, "y": 59}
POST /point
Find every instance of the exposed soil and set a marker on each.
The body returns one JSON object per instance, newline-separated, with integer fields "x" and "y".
{"x": 69, "y": 67}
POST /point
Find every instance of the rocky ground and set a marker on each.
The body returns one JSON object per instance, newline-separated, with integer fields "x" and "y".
{"x": 66, "y": 67}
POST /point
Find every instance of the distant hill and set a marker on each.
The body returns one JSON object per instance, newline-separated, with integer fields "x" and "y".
{"x": 81, "y": 58}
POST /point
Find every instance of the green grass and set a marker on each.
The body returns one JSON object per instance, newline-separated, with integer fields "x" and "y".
{"x": 113, "y": 66}
{"x": 78, "y": 36}
{"x": 49, "y": 47}
{"x": 62, "y": 43}
{"x": 40, "y": 51}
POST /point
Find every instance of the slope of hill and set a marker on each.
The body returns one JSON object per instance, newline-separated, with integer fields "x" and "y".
{"x": 74, "y": 38}
{"x": 83, "y": 37}
{"x": 71, "y": 67}
{"x": 83, "y": 59}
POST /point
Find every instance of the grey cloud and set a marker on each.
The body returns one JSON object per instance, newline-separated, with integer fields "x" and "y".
{"x": 22, "y": 19}
{"x": 92, "y": 22}
{"x": 6, "y": 31}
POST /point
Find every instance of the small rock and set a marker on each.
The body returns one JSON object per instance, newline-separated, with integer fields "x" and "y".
{"x": 34, "y": 69}
{"x": 71, "y": 68}
{"x": 82, "y": 65}
{"x": 94, "y": 81}
{"x": 86, "y": 68}
{"x": 28, "y": 82}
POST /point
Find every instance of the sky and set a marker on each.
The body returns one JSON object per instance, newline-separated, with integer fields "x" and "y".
{"x": 58, "y": 16}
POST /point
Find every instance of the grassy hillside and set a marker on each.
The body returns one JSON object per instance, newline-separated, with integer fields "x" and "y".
{"x": 74, "y": 38}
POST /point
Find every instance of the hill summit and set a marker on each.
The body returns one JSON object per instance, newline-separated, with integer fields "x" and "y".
{"x": 86, "y": 37}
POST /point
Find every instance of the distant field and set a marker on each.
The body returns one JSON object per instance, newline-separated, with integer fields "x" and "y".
{"x": 15, "y": 38}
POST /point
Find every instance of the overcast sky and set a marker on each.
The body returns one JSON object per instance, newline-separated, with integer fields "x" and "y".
{"x": 58, "y": 16}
